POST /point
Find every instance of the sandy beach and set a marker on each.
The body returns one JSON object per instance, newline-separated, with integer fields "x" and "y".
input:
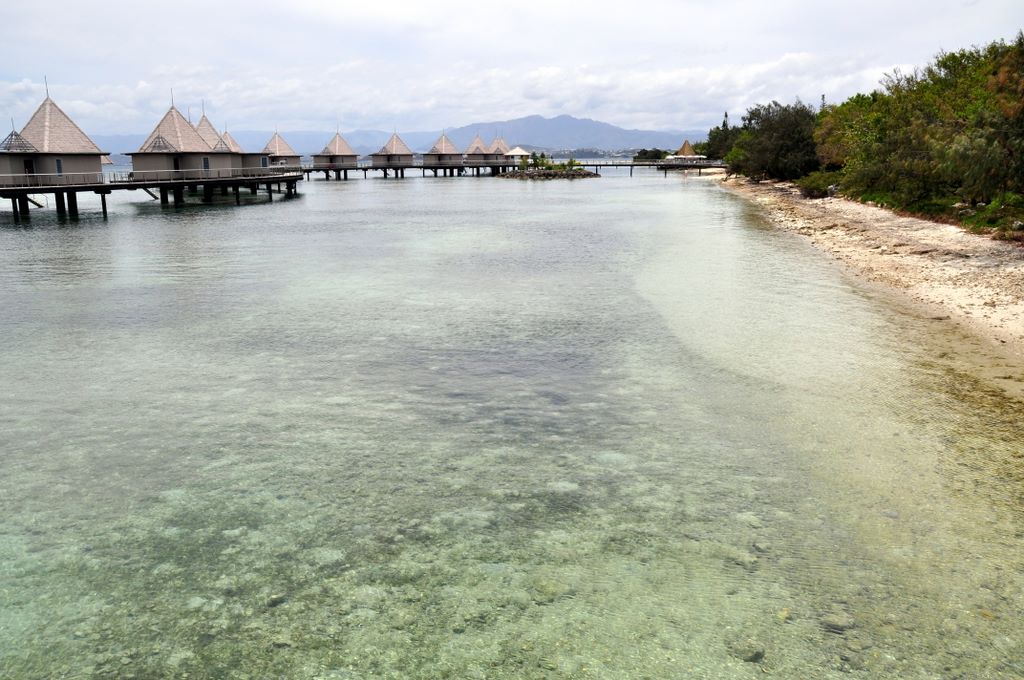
{"x": 953, "y": 275}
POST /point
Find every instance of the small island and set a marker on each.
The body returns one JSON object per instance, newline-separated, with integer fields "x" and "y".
{"x": 542, "y": 167}
{"x": 549, "y": 173}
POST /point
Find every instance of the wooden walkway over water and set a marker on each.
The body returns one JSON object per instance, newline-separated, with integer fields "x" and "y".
{"x": 168, "y": 184}
{"x": 455, "y": 169}
{"x": 172, "y": 185}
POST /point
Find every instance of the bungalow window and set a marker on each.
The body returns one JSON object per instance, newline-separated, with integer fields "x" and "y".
{"x": 206, "y": 163}
{"x": 60, "y": 166}
{"x": 264, "y": 162}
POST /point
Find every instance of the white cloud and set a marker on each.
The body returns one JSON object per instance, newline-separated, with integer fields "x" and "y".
{"x": 417, "y": 65}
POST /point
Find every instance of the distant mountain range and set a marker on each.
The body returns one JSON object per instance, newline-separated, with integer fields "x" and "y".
{"x": 532, "y": 132}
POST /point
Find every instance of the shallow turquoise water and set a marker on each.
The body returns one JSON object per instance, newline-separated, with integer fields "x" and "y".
{"x": 483, "y": 428}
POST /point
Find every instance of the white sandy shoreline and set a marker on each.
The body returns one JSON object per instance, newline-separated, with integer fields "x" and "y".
{"x": 938, "y": 271}
{"x": 975, "y": 281}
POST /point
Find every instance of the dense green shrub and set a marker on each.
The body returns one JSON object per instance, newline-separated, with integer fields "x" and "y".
{"x": 820, "y": 184}
{"x": 946, "y": 140}
{"x": 776, "y": 141}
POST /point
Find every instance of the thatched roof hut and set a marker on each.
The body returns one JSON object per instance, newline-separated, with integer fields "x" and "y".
{"x": 476, "y": 151}
{"x": 50, "y": 144}
{"x": 497, "y": 150}
{"x": 280, "y": 152}
{"x": 337, "y": 154}
{"x": 175, "y": 144}
{"x": 444, "y": 152}
{"x": 687, "y": 151}
{"x": 174, "y": 135}
{"x": 394, "y": 154}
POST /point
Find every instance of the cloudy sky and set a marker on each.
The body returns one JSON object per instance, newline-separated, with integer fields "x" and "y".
{"x": 419, "y": 65}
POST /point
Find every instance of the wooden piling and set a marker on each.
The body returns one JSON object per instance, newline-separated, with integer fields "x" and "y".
{"x": 73, "y": 205}
{"x": 58, "y": 200}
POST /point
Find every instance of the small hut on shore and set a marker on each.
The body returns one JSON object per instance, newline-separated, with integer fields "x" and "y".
{"x": 394, "y": 154}
{"x": 175, "y": 145}
{"x": 444, "y": 153}
{"x": 279, "y": 152}
{"x": 50, "y": 144}
{"x": 517, "y": 155}
{"x": 686, "y": 151}
{"x": 338, "y": 154}
{"x": 476, "y": 152}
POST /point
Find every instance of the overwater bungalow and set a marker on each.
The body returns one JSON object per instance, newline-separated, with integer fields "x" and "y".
{"x": 496, "y": 152}
{"x": 476, "y": 153}
{"x": 175, "y": 145}
{"x": 444, "y": 153}
{"x": 50, "y": 149}
{"x": 337, "y": 155}
{"x": 395, "y": 154}
{"x": 279, "y": 152}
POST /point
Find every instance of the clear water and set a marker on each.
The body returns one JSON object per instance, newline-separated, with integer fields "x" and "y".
{"x": 614, "y": 428}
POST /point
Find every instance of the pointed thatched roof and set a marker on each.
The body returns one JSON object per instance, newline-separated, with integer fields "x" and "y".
{"x": 517, "y": 152}
{"x": 50, "y": 130}
{"x": 444, "y": 146}
{"x": 686, "y": 149}
{"x": 338, "y": 147}
{"x": 209, "y": 133}
{"x": 174, "y": 134}
{"x": 498, "y": 146}
{"x": 17, "y": 144}
{"x": 394, "y": 147}
{"x": 476, "y": 146}
{"x": 278, "y": 147}
{"x": 234, "y": 146}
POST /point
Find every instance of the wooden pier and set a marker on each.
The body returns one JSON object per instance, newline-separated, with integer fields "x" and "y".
{"x": 476, "y": 168}
{"x": 169, "y": 185}
{"x": 397, "y": 170}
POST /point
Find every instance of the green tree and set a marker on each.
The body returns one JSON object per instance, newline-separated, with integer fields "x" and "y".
{"x": 721, "y": 139}
{"x": 953, "y": 130}
{"x": 776, "y": 141}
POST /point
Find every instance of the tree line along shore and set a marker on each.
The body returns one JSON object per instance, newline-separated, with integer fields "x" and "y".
{"x": 945, "y": 142}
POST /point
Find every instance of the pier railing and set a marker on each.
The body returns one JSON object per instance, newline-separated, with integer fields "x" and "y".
{"x": 353, "y": 165}
{"x": 127, "y": 177}
{"x": 369, "y": 164}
